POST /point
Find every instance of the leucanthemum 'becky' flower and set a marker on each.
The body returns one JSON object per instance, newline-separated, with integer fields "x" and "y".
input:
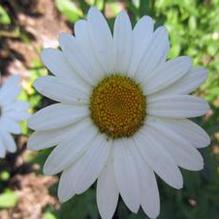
{"x": 12, "y": 111}
{"x": 122, "y": 113}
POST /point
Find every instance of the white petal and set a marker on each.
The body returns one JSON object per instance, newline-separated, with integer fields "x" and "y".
{"x": 16, "y": 110}
{"x": 122, "y": 42}
{"x": 9, "y": 125}
{"x": 107, "y": 192}
{"x": 2, "y": 149}
{"x": 80, "y": 176}
{"x": 150, "y": 200}
{"x": 57, "y": 116}
{"x": 189, "y": 82}
{"x": 8, "y": 141}
{"x": 61, "y": 91}
{"x": 155, "y": 54}
{"x": 101, "y": 38}
{"x": 178, "y": 147}
{"x": 83, "y": 37}
{"x": 65, "y": 187}
{"x": 142, "y": 35}
{"x": 9, "y": 90}
{"x": 188, "y": 130}
{"x": 71, "y": 148}
{"x": 177, "y": 106}
{"x": 17, "y": 116}
{"x": 75, "y": 56}
{"x": 157, "y": 157}
{"x": 59, "y": 66}
{"x": 17, "y": 106}
{"x": 126, "y": 174}
{"x": 166, "y": 74}
{"x": 45, "y": 139}
{"x": 91, "y": 164}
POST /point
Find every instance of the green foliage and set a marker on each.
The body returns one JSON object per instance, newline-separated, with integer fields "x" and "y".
{"x": 81, "y": 207}
{"x": 49, "y": 215}
{"x": 8, "y": 199}
{"x": 4, "y": 17}
{"x": 69, "y": 9}
{"x": 73, "y": 10}
{"x": 193, "y": 27}
{"x": 4, "y": 175}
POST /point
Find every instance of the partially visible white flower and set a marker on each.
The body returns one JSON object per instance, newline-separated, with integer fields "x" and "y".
{"x": 122, "y": 113}
{"x": 12, "y": 111}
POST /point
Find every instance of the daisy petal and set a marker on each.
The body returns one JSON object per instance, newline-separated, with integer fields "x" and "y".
{"x": 75, "y": 56}
{"x": 107, "y": 192}
{"x": 86, "y": 170}
{"x": 17, "y": 106}
{"x": 57, "y": 116}
{"x": 89, "y": 167}
{"x": 101, "y": 38}
{"x": 150, "y": 200}
{"x": 83, "y": 38}
{"x": 2, "y": 149}
{"x": 9, "y": 125}
{"x": 17, "y": 116}
{"x": 17, "y": 110}
{"x": 122, "y": 42}
{"x": 166, "y": 74}
{"x": 125, "y": 172}
{"x": 45, "y": 139}
{"x": 188, "y": 83}
{"x": 177, "y": 106}
{"x": 10, "y": 90}
{"x": 179, "y": 148}
{"x": 74, "y": 143}
{"x": 8, "y": 141}
{"x": 190, "y": 131}
{"x": 56, "y": 62}
{"x": 142, "y": 35}
{"x": 65, "y": 187}
{"x": 154, "y": 55}
{"x": 157, "y": 157}
{"x": 67, "y": 93}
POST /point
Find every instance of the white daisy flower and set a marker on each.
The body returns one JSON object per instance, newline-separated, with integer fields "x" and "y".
{"x": 12, "y": 111}
{"x": 121, "y": 115}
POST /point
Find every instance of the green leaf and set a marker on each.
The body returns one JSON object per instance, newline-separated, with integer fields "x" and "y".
{"x": 99, "y": 4}
{"x": 114, "y": 7}
{"x": 69, "y": 9}
{"x": 192, "y": 23}
{"x": 4, "y": 175}
{"x": 145, "y": 7}
{"x": 8, "y": 199}
{"x": 49, "y": 215}
{"x": 4, "y": 17}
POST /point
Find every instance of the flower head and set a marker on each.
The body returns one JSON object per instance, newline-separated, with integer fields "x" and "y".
{"x": 12, "y": 111}
{"x": 121, "y": 114}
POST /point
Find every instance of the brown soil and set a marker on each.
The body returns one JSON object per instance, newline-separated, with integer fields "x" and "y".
{"x": 39, "y": 25}
{"x": 31, "y": 187}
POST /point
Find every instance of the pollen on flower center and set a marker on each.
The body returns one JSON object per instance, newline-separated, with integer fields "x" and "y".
{"x": 118, "y": 106}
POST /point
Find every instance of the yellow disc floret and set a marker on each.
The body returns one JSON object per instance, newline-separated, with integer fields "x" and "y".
{"x": 118, "y": 106}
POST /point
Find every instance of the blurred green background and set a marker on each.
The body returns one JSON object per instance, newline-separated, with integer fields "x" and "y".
{"x": 26, "y": 26}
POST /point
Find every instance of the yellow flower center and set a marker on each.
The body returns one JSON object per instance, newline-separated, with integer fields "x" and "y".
{"x": 118, "y": 106}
